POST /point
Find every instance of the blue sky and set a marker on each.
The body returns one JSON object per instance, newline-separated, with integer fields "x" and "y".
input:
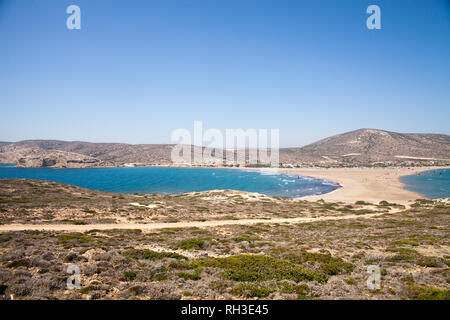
{"x": 137, "y": 70}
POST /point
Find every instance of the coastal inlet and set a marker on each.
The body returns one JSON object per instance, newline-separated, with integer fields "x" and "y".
{"x": 168, "y": 180}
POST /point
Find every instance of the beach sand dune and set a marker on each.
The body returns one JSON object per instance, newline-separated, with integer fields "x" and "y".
{"x": 367, "y": 184}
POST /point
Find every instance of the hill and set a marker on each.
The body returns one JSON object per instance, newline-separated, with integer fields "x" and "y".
{"x": 363, "y": 147}
{"x": 372, "y": 147}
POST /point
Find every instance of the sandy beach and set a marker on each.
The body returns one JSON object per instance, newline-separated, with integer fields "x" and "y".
{"x": 368, "y": 184}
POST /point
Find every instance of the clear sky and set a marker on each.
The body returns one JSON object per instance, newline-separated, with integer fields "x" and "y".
{"x": 137, "y": 70}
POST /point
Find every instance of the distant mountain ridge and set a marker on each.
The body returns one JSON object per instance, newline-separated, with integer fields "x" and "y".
{"x": 370, "y": 146}
{"x": 363, "y": 147}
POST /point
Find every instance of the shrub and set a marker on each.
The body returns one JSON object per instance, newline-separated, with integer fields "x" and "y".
{"x": 301, "y": 290}
{"x": 88, "y": 289}
{"x": 430, "y": 262}
{"x": 189, "y": 244}
{"x": 404, "y": 254}
{"x": 250, "y": 290}
{"x": 217, "y": 285}
{"x": 179, "y": 265}
{"x": 70, "y": 257}
{"x": 3, "y": 288}
{"x": 360, "y": 202}
{"x": 75, "y": 236}
{"x": 428, "y": 293}
{"x": 161, "y": 276}
{"x": 189, "y": 276}
{"x": 240, "y": 239}
{"x": 18, "y": 263}
{"x": 384, "y": 203}
{"x": 407, "y": 242}
{"x": 409, "y": 279}
{"x": 137, "y": 254}
{"x": 130, "y": 275}
{"x": 136, "y": 290}
{"x": 329, "y": 264}
{"x": 424, "y": 201}
{"x": 259, "y": 267}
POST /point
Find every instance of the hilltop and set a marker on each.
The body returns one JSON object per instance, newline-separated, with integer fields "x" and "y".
{"x": 373, "y": 147}
{"x": 363, "y": 147}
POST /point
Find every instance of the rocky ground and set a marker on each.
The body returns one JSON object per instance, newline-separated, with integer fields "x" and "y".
{"x": 314, "y": 260}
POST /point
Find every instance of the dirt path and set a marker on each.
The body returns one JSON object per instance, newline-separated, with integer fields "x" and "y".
{"x": 155, "y": 226}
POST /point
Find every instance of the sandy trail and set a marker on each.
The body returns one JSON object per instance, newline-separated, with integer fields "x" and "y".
{"x": 196, "y": 224}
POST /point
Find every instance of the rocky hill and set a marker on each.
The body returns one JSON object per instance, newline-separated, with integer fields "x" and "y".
{"x": 373, "y": 147}
{"x": 32, "y": 157}
{"x": 109, "y": 154}
{"x": 363, "y": 147}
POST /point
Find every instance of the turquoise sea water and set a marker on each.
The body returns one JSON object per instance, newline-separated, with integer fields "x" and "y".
{"x": 176, "y": 180}
{"x": 432, "y": 184}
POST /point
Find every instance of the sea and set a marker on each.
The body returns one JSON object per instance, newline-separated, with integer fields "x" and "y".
{"x": 169, "y": 180}
{"x": 431, "y": 184}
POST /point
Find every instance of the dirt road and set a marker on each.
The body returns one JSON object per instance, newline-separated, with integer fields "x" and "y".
{"x": 155, "y": 226}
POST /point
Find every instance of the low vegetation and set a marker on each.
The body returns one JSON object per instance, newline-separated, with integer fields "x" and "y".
{"x": 316, "y": 260}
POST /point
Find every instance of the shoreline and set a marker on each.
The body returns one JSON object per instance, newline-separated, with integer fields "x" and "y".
{"x": 355, "y": 184}
{"x": 366, "y": 184}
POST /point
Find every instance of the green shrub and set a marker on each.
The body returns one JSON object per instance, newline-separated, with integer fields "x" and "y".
{"x": 87, "y": 289}
{"x": 424, "y": 201}
{"x": 407, "y": 242}
{"x": 189, "y": 244}
{"x": 430, "y": 262}
{"x": 161, "y": 276}
{"x": 145, "y": 254}
{"x": 259, "y": 267}
{"x": 301, "y": 290}
{"x": 217, "y": 285}
{"x": 329, "y": 264}
{"x": 360, "y": 202}
{"x": 189, "y": 276}
{"x": 75, "y": 236}
{"x": 130, "y": 275}
{"x": 404, "y": 254}
{"x": 409, "y": 279}
{"x": 179, "y": 265}
{"x": 18, "y": 263}
{"x": 70, "y": 257}
{"x": 428, "y": 293}
{"x": 76, "y": 222}
{"x": 249, "y": 290}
